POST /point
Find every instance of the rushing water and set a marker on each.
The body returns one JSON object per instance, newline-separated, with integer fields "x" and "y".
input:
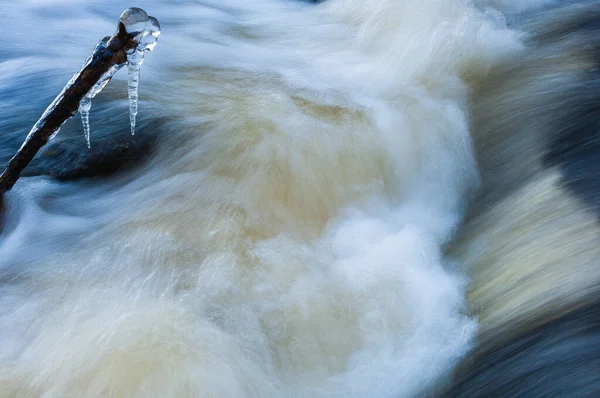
{"x": 286, "y": 237}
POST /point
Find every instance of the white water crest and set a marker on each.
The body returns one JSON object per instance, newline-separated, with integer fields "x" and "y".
{"x": 286, "y": 238}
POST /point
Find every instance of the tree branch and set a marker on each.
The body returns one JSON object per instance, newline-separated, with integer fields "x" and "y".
{"x": 66, "y": 104}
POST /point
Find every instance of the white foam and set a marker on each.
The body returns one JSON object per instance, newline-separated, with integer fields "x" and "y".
{"x": 292, "y": 245}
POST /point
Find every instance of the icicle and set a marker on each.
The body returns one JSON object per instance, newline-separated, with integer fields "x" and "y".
{"x": 86, "y": 102}
{"x": 134, "y": 62}
{"x": 60, "y": 96}
{"x": 84, "y": 111}
{"x": 147, "y": 30}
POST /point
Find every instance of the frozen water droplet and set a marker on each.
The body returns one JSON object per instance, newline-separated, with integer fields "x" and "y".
{"x": 135, "y": 20}
{"x": 153, "y": 26}
{"x": 134, "y": 62}
{"x": 84, "y": 111}
{"x": 148, "y": 41}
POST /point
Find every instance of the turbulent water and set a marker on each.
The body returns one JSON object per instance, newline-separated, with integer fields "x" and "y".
{"x": 286, "y": 238}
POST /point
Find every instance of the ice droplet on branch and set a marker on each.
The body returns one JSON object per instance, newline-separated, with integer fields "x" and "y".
{"x": 134, "y": 19}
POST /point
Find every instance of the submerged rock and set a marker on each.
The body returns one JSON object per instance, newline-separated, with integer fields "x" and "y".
{"x": 71, "y": 159}
{"x": 113, "y": 148}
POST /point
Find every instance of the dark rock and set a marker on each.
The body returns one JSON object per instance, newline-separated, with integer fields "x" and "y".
{"x": 560, "y": 358}
{"x": 113, "y": 148}
{"x": 71, "y": 159}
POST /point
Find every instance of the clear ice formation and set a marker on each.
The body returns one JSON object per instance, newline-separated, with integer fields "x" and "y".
{"x": 86, "y": 102}
{"x": 84, "y": 111}
{"x": 49, "y": 110}
{"x": 146, "y": 30}
{"x": 53, "y": 134}
{"x": 134, "y": 62}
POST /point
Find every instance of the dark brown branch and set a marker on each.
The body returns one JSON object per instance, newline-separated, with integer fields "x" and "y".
{"x": 114, "y": 53}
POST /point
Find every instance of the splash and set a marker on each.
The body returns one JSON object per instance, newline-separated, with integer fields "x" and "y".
{"x": 293, "y": 246}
